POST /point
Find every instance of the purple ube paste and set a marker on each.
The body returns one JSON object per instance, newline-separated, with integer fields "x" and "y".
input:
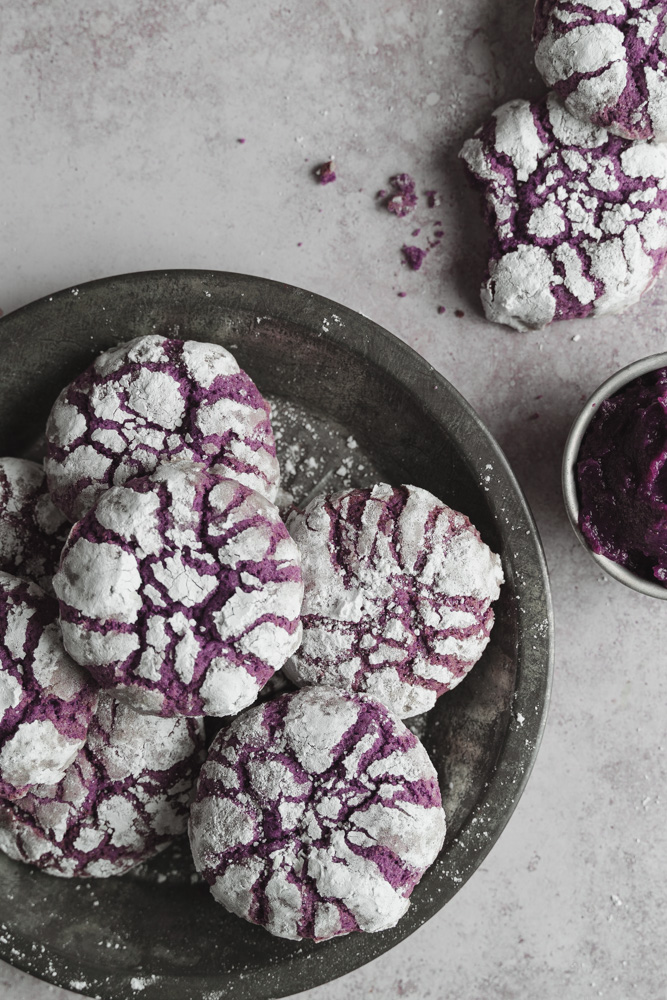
{"x": 46, "y": 700}
{"x": 622, "y": 477}
{"x": 579, "y": 216}
{"x": 123, "y": 799}
{"x": 398, "y": 592}
{"x": 155, "y": 400}
{"x": 316, "y": 814}
{"x": 181, "y": 592}
{"x": 607, "y": 61}
{"x": 32, "y": 529}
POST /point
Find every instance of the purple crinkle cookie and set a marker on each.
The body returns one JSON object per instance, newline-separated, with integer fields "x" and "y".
{"x": 156, "y": 400}
{"x": 398, "y": 589}
{"x": 46, "y": 700}
{"x": 32, "y": 529}
{"x": 607, "y": 59}
{"x": 124, "y": 798}
{"x": 181, "y": 592}
{"x": 579, "y": 216}
{"x": 316, "y": 814}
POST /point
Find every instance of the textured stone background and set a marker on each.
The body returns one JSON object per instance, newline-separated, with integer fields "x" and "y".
{"x": 119, "y": 153}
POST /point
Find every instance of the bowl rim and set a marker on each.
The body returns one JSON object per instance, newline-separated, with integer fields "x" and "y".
{"x": 348, "y": 328}
{"x": 579, "y": 427}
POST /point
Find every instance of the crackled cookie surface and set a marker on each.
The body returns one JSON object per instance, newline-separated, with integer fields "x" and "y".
{"x": 316, "y": 814}
{"x": 156, "y": 400}
{"x": 398, "y": 589}
{"x": 181, "y": 592}
{"x": 32, "y": 529}
{"x": 579, "y": 216}
{"x": 123, "y": 799}
{"x": 46, "y": 700}
{"x": 607, "y": 59}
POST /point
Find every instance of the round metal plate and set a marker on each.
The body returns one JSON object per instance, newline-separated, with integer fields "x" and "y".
{"x": 157, "y": 931}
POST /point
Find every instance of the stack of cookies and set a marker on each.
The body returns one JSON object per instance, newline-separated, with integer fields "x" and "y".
{"x": 147, "y": 581}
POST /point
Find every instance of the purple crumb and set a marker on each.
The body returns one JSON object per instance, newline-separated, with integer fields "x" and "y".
{"x": 403, "y": 198}
{"x": 240, "y": 141}
{"x": 326, "y": 172}
{"x": 439, "y": 233}
{"x": 316, "y": 814}
{"x": 402, "y": 295}
{"x": 416, "y": 232}
{"x": 414, "y": 256}
{"x": 441, "y": 310}
{"x": 432, "y": 199}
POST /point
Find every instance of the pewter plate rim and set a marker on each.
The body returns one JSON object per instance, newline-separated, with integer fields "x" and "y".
{"x": 338, "y": 328}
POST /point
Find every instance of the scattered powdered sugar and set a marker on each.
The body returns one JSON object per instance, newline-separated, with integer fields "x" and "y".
{"x": 316, "y": 814}
{"x": 32, "y": 529}
{"x": 124, "y": 798}
{"x": 181, "y": 592}
{"x": 398, "y": 592}
{"x": 579, "y": 216}
{"x": 46, "y": 700}
{"x": 155, "y": 400}
{"x": 315, "y": 454}
{"x": 607, "y": 61}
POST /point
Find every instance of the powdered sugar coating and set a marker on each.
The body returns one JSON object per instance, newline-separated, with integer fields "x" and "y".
{"x": 607, "y": 59}
{"x": 398, "y": 589}
{"x": 32, "y": 529}
{"x": 181, "y": 592}
{"x": 579, "y": 216}
{"x": 46, "y": 700}
{"x": 316, "y": 814}
{"x": 155, "y": 400}
{"x": 123, "y": 799}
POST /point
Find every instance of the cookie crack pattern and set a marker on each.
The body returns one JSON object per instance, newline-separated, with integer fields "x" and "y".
{"x": 46, "y": 700}
{"x": 578, "y": 215}
{"x": 398, "y": 589}
{"x": 607, "y": 61}
{"x": 156, "y": 400}
{"x": 195, "y": 586}
{"x": 123, "y": 799}
{"x": 316, "y": 814}
{"x": 32, "y": 529}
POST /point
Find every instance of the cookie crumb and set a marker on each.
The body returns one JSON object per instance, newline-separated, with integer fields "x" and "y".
{"x": 414, "y": 256}
{"x": 326, "y": 172}
{"x": 403, "y": 198}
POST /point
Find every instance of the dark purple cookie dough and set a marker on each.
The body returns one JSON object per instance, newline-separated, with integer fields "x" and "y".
{"x": 607, "y": 59}
{"x": 155, "y": 400}
{"x": 398, "y": 592}
{"x": 181, "y": 592}
{"x": 32, "y": 529}
{"x": 46, "y": 700}
{"x": 622, "y": 477}
{"x": 316, "y": 814}
{"x": 124, "y": 798}
{"x": 579, "y": 216}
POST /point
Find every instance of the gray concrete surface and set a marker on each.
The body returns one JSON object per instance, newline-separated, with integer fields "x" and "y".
{"x": 120, "y": 152}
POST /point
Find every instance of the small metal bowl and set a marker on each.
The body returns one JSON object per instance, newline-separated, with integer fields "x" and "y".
{"x": 571, "y": 454}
